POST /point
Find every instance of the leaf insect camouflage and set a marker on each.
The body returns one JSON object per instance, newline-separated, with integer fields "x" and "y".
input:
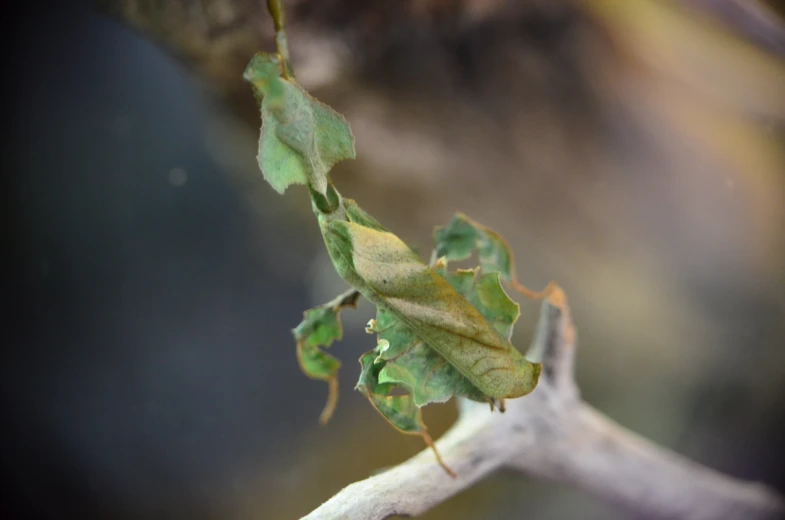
{"x": 440, "y": 333}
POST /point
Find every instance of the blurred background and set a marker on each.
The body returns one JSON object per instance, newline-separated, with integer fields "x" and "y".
{"x": 633, "y": 151}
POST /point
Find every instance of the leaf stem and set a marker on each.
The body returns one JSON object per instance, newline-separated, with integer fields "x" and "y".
{"x": 328, "y": 203}
{"x": 275, "y": 7}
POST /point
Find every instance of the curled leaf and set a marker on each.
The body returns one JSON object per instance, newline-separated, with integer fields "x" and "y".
{"x": 319, "y": 328}
{"x": 398, "y": 410}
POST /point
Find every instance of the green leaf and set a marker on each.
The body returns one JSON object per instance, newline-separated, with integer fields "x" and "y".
{"x": 301, "y": 139}
{"x": 488, "y": 296}
{"x": 443, "y": 334}
{"x": 402, "y": 361}
{"x": 408, "y": 362}
{"x": 384, "y": 270}
{"x": 398, "y": 410}
{"x": 457, "y": 240}
{"x": 319, "y": 328}
{"x": 421, "y": 369}
{"x": 438, "y": 336}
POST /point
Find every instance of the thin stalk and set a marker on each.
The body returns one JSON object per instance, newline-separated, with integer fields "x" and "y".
{"x": 275, "y": 7}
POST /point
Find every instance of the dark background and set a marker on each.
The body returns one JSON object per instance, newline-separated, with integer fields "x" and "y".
{"x": 144, "y": 339}
{"x": 149, "y": 369}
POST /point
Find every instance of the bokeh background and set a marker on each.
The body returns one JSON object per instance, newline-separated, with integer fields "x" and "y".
{"x": 633, "y": 151}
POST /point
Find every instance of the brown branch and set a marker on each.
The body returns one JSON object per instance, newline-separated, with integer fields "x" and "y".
{"x": 553, "y": 435}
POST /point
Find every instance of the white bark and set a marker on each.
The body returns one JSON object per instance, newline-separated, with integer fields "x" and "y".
{"x": 553, "y": 435}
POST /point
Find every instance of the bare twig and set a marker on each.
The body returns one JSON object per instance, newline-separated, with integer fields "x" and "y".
{"x": 552, "y": 434}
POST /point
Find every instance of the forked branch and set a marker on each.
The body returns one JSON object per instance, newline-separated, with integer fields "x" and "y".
{"x": 552, "y": 434}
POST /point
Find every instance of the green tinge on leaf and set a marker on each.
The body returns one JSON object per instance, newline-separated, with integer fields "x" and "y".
{"x": 457, "y": 240}
{"x": 359, "y": 216}
{"x": 488, "y": 296}
{"x": 384, "y": 270}
{"x": 398, "y": 410}
{"x": 422, "y": 370}
{"x": 301, "y": 138}
{"x": 319, "y": 328}
{"x": 429, "y": 377}
{"x": 264, "y": 74}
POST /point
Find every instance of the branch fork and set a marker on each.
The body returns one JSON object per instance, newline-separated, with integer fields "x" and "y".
{"x": 552, "y": 434}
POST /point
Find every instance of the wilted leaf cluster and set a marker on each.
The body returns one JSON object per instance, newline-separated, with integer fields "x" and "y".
{"x": 440, "y": 332}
